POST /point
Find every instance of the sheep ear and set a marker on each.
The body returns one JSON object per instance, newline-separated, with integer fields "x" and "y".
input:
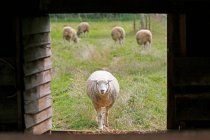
{"x": 94, "y": 81}
{"x": 109, "y": 81}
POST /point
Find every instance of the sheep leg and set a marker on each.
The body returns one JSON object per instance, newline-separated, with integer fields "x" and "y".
{"x": 106, "y": 117}
{"x": 146, "y": 45}
{"x": 87, "y": 33}
{"x": 149, "y": 45}
{"x": 115, "y": 43}
{"x": 99, "y": 118}
{"x": 121, "y": 41}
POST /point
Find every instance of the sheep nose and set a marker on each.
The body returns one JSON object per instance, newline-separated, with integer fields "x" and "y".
{"x": 102, "y": 91}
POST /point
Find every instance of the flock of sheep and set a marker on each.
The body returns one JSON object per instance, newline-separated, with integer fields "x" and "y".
{"x": 143, "y": 36}
{"x": 70, "y": 33}
{"x": 102, "y": 87}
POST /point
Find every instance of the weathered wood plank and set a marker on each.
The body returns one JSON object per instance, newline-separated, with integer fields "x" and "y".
{"x": 31, "y": 120}
{"x": 171, "y": 24}
{"x": 37, "y": 92}
{"x": 34, "y": 25}
{"x": 191, "y": 71}
{"x": 193, "y": 107}
{"x": 40, "y": 128}
{"x": 36, "y": 40}
{"x": 37, "y": 66}
{"x": 36, "y": 53}
{"x": 37, "y": 79}
{"x": 33, "y": 107}
{"x": 37, "y": 73}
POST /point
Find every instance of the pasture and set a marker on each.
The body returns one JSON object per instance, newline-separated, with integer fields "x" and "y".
{"x": 142, "y": 75}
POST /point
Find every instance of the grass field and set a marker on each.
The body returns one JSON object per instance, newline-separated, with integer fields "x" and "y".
{"x": 141, "y": 104}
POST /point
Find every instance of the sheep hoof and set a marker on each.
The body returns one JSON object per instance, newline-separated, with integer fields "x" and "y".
{"x": 103, "y": 128}
{"x": 100, "y": 129}
{"x": 106, "y": 128}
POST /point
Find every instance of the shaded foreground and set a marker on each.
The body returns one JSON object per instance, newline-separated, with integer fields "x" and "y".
{"x": 172, "y": 135}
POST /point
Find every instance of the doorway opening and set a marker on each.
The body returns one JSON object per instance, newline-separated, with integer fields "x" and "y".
{"x": 141, "y": 72}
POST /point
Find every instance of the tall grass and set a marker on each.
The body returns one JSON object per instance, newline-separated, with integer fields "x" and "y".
{"x": 141, "y": 104}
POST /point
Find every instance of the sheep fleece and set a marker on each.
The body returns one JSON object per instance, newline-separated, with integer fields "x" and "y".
{"x": 83, "y": 27}
{"x": 113, "y": 89}
{"x": 69, "y": 34}
{"x": 118, "y": 33}
{"x": 143, "y": 36}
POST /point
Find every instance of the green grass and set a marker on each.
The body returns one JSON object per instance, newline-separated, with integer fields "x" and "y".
{"x": 141, "y": 104}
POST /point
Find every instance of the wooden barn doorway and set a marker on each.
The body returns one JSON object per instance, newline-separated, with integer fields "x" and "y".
{"x": 26, "y": 63}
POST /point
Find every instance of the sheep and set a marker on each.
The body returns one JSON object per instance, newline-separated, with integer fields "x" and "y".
{"x": 70, "y": 34}
{"x": 144, "y": 37}
{"x": 118, "y": 34}
{"x": 102, "y": 89}
{"x": 83, "y": 27}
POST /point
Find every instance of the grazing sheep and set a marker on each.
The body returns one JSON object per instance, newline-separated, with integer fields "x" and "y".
{"x": 102, "y": 88}
{"x": 70, "y": 34}
{"x": 144, "y": 37}
{"x": 83, "y": 27}
{"x": 118, "y": 34}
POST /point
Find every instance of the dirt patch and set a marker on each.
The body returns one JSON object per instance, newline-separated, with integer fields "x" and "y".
{"x": 88, "y": 53}
{"x": 116, "y": 63}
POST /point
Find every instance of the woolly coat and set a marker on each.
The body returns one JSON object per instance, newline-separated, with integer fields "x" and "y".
{"x": 70, "y": 34}
{"x": 143, "y": 37}
{"x": 108, "y": 99}
{"x": 118, "y": 34}
{"x": 83, "y": 27}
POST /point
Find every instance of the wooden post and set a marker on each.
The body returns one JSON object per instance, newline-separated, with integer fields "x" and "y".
{"x": 19, "y": 75}
{"x": 134, "y": 24}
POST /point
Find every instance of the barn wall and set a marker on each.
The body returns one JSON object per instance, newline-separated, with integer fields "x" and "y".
{"x": 10, "y": 72}
{"x": 37, "y": 74}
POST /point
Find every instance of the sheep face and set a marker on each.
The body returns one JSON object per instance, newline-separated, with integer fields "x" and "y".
{"x": 69, "y": 34}
{"x": 102, "y": 86}
{"x": 83, "y": 28}
{"x": 78, "y": 33}
{"x": 76, "y": 39}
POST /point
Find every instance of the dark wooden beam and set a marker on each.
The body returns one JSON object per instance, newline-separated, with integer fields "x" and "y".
{"x": 26, "y": 7}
